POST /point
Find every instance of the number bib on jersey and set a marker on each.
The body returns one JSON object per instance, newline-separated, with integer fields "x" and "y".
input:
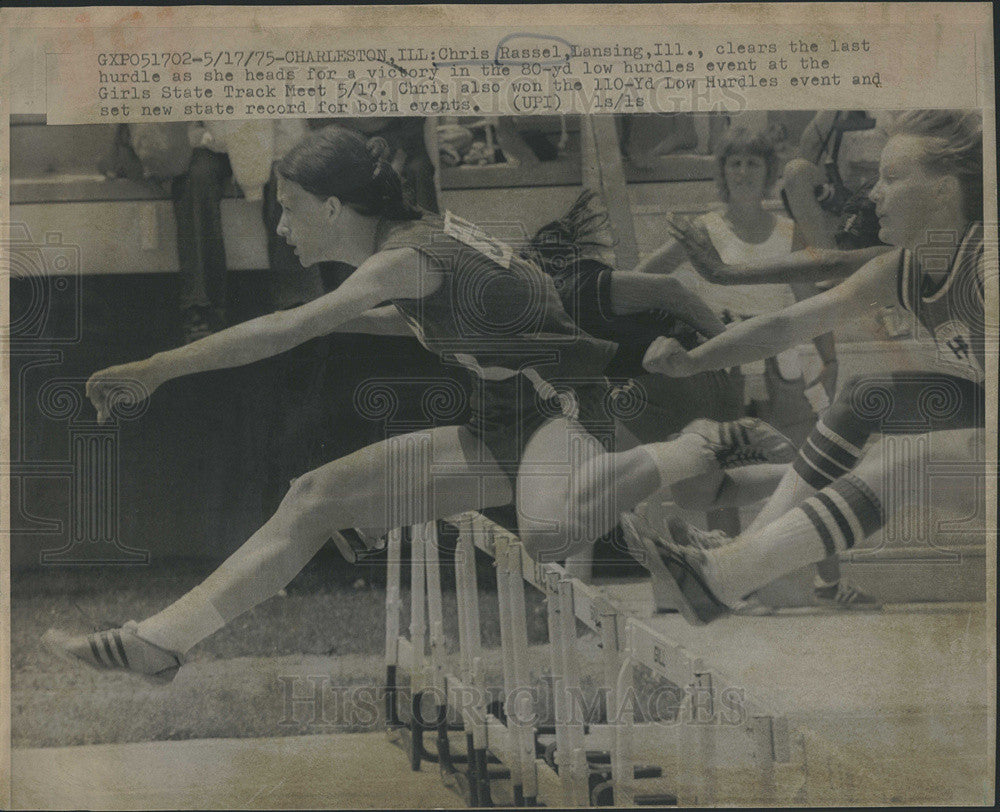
{"x": 474, "y": 237}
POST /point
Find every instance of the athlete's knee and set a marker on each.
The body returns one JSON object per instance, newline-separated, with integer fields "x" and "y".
{"x": 305, "y": 489}
{"x": 308, "y": 497}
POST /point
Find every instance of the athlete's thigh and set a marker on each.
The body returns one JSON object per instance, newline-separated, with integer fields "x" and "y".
{"x": 411, "y": 478}
{"x": 553, "y": 459}
{"x": 556, "y": 450}
{"x": 938, "y": 477}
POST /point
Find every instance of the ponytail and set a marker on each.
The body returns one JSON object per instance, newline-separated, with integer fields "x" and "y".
{"x": 387, "y": 186}
{"x": 337, "y": 162}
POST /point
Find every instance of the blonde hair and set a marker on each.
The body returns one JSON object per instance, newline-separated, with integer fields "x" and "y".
{"x": 954, "y": 146}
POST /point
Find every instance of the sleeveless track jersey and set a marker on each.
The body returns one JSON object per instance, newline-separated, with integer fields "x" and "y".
{"x": 953, "y": 312}
{"x": 495, "y": 312}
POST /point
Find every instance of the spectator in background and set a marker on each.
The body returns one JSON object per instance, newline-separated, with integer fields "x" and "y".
{"x": 198, "y": 159}
{"x": 201, "y": 250}
{"x": 183, "y": 154}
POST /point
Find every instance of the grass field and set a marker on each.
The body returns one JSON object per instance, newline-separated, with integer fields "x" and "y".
{"x": 327, "y": 630}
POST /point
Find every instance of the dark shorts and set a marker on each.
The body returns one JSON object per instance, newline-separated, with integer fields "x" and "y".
{"x": 672, "y": 403}
{"x": 506, "y": 414}
{"x": 906, "y": 402}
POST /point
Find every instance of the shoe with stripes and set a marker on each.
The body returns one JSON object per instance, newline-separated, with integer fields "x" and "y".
{"x": 678, "y": 583}
{"x": 747, "y": 441}
{"x": 356, "y": 545}
{"x": 687, "y": 535}
{"x": 116, "y": 649}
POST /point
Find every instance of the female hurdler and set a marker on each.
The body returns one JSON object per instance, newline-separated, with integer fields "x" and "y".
{"x": 929, "y": 203}
{"x": 538, "y": 395}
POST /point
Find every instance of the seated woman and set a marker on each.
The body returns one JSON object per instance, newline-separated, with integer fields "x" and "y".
{"x": 929, "y": 203}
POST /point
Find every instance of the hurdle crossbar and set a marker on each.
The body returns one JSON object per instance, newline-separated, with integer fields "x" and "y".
{"x": 556, "y": 767}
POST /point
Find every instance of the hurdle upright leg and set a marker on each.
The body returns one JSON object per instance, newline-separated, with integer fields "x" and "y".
{"x": 623, "y": 728}
{"x": 393, "y": 608}
{"x": 611, "y": 646}
{"x": 703, "y": 707}
{"x": 523, "y": 711}
{"x": 418, "y": 639}
{"x": 571, "y": 756}
{"x": 471, "y": 652}
{"x": 435, "y": 612}
{"x": 500, "y": 543}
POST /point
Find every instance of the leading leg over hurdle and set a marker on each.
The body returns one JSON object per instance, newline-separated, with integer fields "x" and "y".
{"x": 538, "y": 436}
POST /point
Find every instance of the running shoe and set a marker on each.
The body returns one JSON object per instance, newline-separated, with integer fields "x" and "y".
{"x": 677, "y": 579}
{"x": 116, "y": 649}
{"x": 747, "y": 441}
{"x": 356, "y": 545}
{"x": 687, "y": 535}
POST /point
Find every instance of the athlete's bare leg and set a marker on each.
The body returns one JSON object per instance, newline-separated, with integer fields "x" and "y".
{"x": 570, "y": 490}
{"x": 844, "y": 513}
{"x": 401, "y": 481}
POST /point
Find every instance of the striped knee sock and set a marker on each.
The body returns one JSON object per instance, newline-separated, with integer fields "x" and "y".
{"x": 846, "y": 512}
{"x": 824, "y": 456}
{"x": 835, "y": 519}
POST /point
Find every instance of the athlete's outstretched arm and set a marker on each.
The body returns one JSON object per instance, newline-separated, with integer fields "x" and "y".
{"x": 634, "y": 292}
{"x": 865, "y": 293}
{"x": 379, "y": 321}
{"x": 808, "y": 265}
{"x": 665, "y": 259}
{"x": 386, "y": 275}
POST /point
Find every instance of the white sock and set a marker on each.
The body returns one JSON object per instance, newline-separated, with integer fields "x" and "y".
{"x": 791, "y": 490}
{"x": 679, "y": 459}
{"x": 756, "y": 559}
{"x": 183, "y": 624}
{"x": 264, "y": 564}
{"x": 833, "y": 520}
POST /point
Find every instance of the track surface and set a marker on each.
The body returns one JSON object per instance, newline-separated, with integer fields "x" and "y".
{"x": 353, "y": 770}
{"x": 904, "y": 691}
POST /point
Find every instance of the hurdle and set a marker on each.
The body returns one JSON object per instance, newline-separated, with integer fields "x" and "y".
{"x": 718, "y": 744}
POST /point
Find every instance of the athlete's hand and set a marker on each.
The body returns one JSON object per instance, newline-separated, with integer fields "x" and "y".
{"x": 124, "y": 386}
{"x": 668, "y": 357}
{"x": 698, "y": 245}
